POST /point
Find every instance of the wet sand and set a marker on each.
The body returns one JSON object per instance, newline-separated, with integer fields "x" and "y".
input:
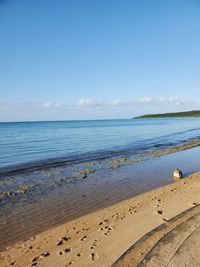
{"x": 30, "y": 214}
{"x": 100, "y": 238}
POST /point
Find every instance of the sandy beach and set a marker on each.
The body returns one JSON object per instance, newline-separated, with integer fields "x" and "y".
{"x": 99, "y": 134}
{"x": 100, "y": 238}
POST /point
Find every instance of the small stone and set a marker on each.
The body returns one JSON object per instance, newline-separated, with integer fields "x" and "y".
{"x": 178, "y": 174}
{"x": 84, "y": 173}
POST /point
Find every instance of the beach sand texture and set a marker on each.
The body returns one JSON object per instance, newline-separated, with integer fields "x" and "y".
{"x": 100, "y": 238}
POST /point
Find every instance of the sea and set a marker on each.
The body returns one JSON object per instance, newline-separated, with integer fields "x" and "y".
{"x": 55, "y": 171}
{"x": 26, "y": 145}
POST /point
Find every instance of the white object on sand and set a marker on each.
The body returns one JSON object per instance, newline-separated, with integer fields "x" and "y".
{"x": 178, "y": 174}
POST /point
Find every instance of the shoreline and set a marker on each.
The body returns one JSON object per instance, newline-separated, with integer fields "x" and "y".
{"x": 100, "y": 238}
{"x": 94, "y": 157}
{"x": 175, "y": 149}
{"x": 113, "y": 164}
{"x": 35, "y": 214}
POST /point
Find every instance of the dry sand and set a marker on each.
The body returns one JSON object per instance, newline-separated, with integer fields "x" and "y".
{"x": 100, "y": 238}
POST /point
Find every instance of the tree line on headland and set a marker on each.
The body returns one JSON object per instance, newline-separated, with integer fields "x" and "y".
{"x": 185, "y": 114}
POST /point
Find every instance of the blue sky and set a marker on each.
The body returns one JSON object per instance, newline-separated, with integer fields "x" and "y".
{"x": 98, "y": 59}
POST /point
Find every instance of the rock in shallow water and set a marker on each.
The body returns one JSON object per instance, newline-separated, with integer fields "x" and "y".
{"x": 84, "y": 173}
{"x": 178, "y": 174}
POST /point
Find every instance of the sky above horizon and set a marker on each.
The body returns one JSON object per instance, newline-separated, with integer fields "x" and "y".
{"x": 100, "y": 59}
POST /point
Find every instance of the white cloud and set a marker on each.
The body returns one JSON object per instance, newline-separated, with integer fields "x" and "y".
{"x": 52, "y": 105}
{"x": 85, "y": 102}
{"x": 117, "y": 103}
{"x": 47, "y": 104}
{"x": 90, "y": 103}
{"x": 161, "y": 99}
{"x": 96, "y": 104}
{"x": 177, "y": 100}
{"x": 144, "y": 100}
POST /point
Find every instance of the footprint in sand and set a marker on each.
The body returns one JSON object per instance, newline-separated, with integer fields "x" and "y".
{"x": 62, "y": 240}
{"x": 95, "y": 243}
{"x": 130, "y": 211}
{"x": 94, "y": 256}
{"x": 36, "y": 260}
{"x": 27, "y": 250}
{"x": 83, "y": 238}
{"x": 64, "y": 251}
{"x": 69, "y": 263}
{"x": 160, "y": 212}
{"x": 107, "y": 229}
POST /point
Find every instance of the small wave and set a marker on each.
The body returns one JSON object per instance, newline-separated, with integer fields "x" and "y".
{"x": 139, "y": 148}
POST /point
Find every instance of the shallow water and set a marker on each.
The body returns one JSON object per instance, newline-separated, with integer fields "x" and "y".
{"x": 38, "y": 144}
{"x": 53, "y": 172}
{"x": 49, "y": 205}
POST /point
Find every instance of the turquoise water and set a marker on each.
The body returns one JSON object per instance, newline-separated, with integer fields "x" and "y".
{"x": 26, "y": 144}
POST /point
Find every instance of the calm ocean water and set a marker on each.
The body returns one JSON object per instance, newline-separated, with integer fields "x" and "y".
{"x": 35, "y": 143}
{"x": 64, "y": 170}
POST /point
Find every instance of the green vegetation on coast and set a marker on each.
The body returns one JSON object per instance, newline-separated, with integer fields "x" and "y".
{"x": 185, "y": 114}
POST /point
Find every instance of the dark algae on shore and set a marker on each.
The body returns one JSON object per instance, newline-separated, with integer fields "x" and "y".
{"x": 41, "y": 199}
{"x": 15, "y": 185}
{"x": 185, "y": 114}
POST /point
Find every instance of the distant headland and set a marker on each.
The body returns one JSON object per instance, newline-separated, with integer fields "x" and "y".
{"x": 185, "y": 114}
